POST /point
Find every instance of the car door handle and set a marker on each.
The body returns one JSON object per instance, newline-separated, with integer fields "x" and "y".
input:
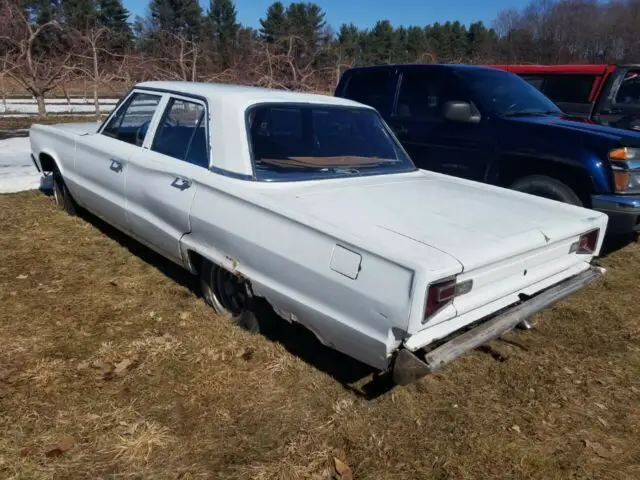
{"x": 116, "y": 165}
{"x": 181, "y": 183}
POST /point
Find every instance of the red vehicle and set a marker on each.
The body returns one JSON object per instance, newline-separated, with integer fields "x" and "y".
{"x": 604, "y": 94}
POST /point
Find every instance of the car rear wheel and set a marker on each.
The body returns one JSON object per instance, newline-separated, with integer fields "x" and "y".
{"x": 547, "y": 187}
{"x": 61, "y": 195}
{"x": 228, "y": 295}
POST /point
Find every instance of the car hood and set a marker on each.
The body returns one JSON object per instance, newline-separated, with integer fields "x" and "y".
{"x": 470, "y": 221}
{"x": 79, "y": 128}
{"x": 576, "y": 125}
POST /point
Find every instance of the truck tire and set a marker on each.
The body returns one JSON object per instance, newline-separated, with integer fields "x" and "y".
{"x": 226, "y": 293}
{"x": 61, "y": 195}
{"x": 547, "y": 187}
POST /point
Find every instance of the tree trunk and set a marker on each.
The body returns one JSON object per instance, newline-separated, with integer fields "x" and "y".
{"x": 42, "y": 111}
{"x": 96, "y": 76}
{"x": 96, "y": 101}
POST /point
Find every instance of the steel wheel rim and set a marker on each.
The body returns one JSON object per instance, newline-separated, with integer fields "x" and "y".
{"x": 229, "y": 291}
{"x": 56, "y": 191}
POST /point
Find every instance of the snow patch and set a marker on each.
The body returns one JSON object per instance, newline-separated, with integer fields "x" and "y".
{"x": 18, "y": 106}
{"x": 17, "y": 171}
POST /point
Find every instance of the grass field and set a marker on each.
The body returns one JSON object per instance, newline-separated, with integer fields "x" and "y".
{"x": 112, "y": 367}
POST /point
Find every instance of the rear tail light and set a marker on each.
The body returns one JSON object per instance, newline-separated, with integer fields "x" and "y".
{"x": 441, "y": 294}
{"x": 587, "y": 243}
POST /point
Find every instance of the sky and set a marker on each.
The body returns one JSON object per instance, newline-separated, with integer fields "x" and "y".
{"x": 364, "y": 13}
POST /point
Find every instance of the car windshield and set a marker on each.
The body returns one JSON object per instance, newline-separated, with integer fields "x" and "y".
{"x": 304, "y": 142}
{"x": 505, "y": 94}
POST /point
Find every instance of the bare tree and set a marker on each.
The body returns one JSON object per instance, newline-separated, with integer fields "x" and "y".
{"x": 38, "y": 73}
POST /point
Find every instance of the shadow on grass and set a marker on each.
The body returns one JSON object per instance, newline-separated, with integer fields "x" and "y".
{"x": 613, "y": 243}
{"x": 298, "y": 340}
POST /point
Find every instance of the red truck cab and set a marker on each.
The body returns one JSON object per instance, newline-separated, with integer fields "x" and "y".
{"x": 603, "y": 94}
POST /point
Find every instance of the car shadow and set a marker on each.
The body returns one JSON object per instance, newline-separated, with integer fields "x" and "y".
{"x": 613, "y": 243}
{"x": 357, "y": 377}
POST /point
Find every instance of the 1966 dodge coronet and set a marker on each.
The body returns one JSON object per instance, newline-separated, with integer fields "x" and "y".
{"x": 311, "y": 203}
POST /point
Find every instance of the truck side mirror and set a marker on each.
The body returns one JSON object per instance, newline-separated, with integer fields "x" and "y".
{"x": 463, "y": 112}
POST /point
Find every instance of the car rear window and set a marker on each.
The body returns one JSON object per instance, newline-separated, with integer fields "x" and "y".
{"x": 302, "y": 141}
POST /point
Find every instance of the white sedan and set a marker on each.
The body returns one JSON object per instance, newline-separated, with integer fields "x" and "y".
{"x": 310, "y": 202}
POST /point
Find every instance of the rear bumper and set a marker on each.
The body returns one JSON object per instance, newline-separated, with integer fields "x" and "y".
{"x": 408, "y": 367}
{"x": 623, "y": 212}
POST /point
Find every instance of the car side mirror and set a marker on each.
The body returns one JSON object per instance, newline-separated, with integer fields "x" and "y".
{"x": 464, "y": 112}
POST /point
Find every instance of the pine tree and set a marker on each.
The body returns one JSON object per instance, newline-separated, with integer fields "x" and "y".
{"x": 274, "y": 25}
{"x": 380, "y": 43}
{"x": 349, "y": 39}
{"x": 79, "y": 15}
{"x": 113, "y": 15}
{"x": 180, "y": 17}
{"x": 223, "y": 29}
{"x": 306, "y": 20}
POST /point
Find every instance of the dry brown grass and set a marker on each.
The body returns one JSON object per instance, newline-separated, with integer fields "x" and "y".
{"x": 110, "y": 367}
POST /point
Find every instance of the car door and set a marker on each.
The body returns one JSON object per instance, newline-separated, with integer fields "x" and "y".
{"x": 101, "y": 158}
{"x": 434, "y": 143}
{"x": 160, "y": 180}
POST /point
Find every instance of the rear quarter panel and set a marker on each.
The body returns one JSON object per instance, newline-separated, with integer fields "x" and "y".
{"x": 289, "y": 263}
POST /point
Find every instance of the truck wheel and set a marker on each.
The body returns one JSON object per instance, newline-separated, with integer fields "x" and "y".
{"x": 227, "y": 294}
{"x": 61, "y": 195}
{"x": 547, "y": 187}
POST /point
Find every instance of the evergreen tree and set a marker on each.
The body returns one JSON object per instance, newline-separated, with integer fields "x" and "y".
{"x": 416, "y": 43}
{"x": 50, "y": 41}
{"x": 400, "y": 52}
{"x": 306, "y": 20}
{"x": 180, "y": 17}
{"x": 379, "y": 43}
{"x": 113, "y": 15}
{"x": 274, "y": 25}
{"x": 349, "y": 39}
{"x": 223, "y": 29}
{"x": 79, "y": 15}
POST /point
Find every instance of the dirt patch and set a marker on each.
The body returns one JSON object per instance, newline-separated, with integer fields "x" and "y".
{"x": 111, "y": 366}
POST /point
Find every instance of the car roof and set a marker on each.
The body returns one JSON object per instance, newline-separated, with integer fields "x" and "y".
{"x": 592, "y": 69}
{"x": 244, "y": 96}
{"x": 443, "y": 66}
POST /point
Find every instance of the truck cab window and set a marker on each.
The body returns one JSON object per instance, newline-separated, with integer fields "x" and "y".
{"x": 369, "y": 88}
{"x": 629, "y": 91}
{"x": 423, "y": 94}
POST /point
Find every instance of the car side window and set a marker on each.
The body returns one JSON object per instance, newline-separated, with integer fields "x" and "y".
{"x": 131, "y": 122}
{"x": 629, "y": 91}
{"x": 182, "y": 133}
{"x": 422, "y": 95}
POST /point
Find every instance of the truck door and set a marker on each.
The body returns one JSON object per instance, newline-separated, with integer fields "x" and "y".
{"x": 434, "y": 143}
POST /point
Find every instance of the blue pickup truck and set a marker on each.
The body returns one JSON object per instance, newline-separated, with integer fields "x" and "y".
{"x": 492, "y": 126}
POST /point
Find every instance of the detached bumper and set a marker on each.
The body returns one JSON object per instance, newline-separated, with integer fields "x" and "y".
{"x": 408, "y": 367}
{"x": 623, "y": 212}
